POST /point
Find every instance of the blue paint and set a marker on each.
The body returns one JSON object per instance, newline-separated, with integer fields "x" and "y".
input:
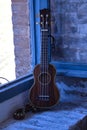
{"x": 37, "y": 31}
{"x": 32, "y": 32}
{"x": 63, "y": 68}
{"x": 16, "y": 87}
{"x": 70, "y": 65}
{"x": 70, "y": 69}
{"x": 44, "y": 4}
{"x": 39, "y": 4}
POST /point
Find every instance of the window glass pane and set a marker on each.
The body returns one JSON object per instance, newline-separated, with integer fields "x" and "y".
{"x": 15, "y": 52}
{"x": 69, "y": 29}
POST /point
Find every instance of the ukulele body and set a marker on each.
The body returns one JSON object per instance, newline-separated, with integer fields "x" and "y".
{"x": 44, "y": 93}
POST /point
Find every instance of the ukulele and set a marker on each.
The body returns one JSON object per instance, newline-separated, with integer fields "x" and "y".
{"x": 44, "y": 93}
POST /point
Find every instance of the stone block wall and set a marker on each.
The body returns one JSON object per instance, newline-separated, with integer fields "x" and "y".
{"x": 69, "y": 28}
{"x": 21, "y": 30}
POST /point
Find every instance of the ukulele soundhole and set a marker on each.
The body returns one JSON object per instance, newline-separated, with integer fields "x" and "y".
{"x": 44, "y": 78}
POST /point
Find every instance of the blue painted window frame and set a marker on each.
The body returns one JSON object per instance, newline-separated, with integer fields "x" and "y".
{"x": 22, "y": 84}
{"x": 38, "y": 5}
{"x": 63, "y": 68}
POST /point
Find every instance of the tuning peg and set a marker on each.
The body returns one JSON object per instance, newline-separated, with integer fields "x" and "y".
{"x": 37, "y": 23}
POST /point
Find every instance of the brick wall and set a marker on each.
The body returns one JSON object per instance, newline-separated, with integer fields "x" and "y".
{"x": 69, "y": 28}
{"x": 21, "y": 29}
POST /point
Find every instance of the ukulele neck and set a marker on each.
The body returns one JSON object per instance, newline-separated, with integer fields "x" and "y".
{"x": 44, "y": 50}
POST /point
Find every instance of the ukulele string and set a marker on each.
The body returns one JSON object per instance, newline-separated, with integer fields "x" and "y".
{"x": 42, "y": 72}
{"x": 46, "y": 46}
{"x": 40, "y": 66}
{"x": 41, "y": 76}
{"x": 44, "y": 63}
{"x": 45, "y": 59}
{"x": 43, "y": 53}
{"x": 47, "y": 62}
{"x": 47, "y": 54}
{"x": 41, "y": 69}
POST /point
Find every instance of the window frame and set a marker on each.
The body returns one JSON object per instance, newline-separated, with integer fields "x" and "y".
{"x": 70, "y": 69}
{"x": 22, "y": 84}
{"x": 76, "y": 70}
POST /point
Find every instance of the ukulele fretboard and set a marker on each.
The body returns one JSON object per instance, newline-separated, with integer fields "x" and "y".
{"x": 44, "y": 50}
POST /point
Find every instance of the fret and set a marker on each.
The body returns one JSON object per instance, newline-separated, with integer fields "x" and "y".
{"x": 44, "y": 50}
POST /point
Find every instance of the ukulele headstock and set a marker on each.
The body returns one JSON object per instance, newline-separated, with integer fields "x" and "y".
{"x": 45, "y": 18}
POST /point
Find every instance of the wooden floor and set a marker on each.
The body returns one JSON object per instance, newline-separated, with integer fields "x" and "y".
{"x": 61, "y": 117}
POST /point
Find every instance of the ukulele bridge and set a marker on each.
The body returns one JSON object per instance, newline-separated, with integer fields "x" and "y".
{"x": 43, "y": 97}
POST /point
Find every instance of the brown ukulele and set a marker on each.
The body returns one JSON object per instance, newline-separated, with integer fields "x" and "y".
{"x": 44, "y": 93}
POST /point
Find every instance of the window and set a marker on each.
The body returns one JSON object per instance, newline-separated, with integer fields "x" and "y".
{"x": 7, "y": 64}
{"x": 15, "y": 40}
{"x": 69, "y": 31}
{"x": 26, "y": 49}
{"x": 23, "y": 83}
{"x": 69, "y": 49}
{"x": 68, "y": 28}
